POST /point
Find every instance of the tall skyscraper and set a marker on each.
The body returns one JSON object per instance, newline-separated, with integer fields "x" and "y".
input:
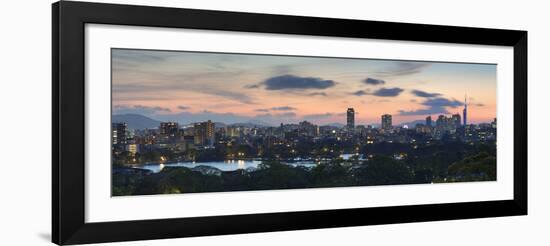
{"x": 429, "y": 121}
{"x": 386, "y": 122}
{"x": 118, "y": 133}
{"x": 351, "y": 118}
{"x": 205, "y": 133}
{"x": 465, "y": 112}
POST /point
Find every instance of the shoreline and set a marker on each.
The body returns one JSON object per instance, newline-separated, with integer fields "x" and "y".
{"x": 314, "y": 161}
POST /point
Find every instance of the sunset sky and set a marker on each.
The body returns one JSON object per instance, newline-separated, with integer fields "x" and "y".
{"x": 190, "y": 86}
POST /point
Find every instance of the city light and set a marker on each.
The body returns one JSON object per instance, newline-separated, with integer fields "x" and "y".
{"x": 354, "y": 146}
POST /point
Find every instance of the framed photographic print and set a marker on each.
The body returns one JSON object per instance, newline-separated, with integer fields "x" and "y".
{"x": 176, "y": 122}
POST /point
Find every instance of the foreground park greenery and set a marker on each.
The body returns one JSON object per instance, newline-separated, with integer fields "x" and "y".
{"x": 436, "y": 163}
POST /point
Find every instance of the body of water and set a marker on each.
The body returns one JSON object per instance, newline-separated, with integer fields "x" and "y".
{"x": 229, "y": 165}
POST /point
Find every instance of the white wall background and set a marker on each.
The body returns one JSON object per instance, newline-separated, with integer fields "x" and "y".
{"x": 25, "y": 57}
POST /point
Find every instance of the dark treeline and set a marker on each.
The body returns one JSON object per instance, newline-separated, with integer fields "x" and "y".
{"x": 449, "y": 162}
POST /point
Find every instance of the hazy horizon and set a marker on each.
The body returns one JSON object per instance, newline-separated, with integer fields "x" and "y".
{"x": 274, "y": 124}
{"x": 235, "y": 88}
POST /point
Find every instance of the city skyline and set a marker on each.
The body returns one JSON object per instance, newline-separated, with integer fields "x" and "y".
{"x": 191, "y": 87}
{"x": 309, "y": 122}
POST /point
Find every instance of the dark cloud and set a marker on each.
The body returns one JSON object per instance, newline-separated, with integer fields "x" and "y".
{"x": 181, "y": 107}
{"x": 284, "y": 115}
{"x": 479, "y": 104}
{"x": 283, "y": 108}
{"x": 442, "y": 102}
{"x": 317, "y": 94}
{"x": 420, "y": 93}
{"x": 360, "y": 93}
{"x": 292, "y": 82}
{"x": 251, "y": 86}
{"x": 425, "y": 111}
{"x": 373, "y": 81}
{"x": 436, "y": 105}
{"x": 387, "y": 92}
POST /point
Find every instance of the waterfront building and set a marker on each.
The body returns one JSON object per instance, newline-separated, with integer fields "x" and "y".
{"x": 132, "y": 148}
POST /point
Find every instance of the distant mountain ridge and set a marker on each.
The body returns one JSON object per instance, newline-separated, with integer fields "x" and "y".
{"x": 335, "y": 124}
{"x": 136, "y": 121}
{"x": 250, "y": 124}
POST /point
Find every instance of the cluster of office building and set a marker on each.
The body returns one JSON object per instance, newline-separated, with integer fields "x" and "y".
{"x": 207, "y": 135}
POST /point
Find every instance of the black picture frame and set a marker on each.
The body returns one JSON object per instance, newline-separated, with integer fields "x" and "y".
{"x": 68, "y": 123}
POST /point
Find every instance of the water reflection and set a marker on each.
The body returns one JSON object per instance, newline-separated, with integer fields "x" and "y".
{"x": 227, "y": 165}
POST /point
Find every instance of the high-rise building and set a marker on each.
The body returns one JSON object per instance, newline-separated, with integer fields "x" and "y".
{"x": 169, "y": 129}
{"x": 429, "y": 121}
{"x": 204, "y": 133}
{"x": 455, "y": 118}
{"x": 308, "y": 129}
{"x": 386, "y": 122}
{"x": 118, "y": 133}
{"x": 351, "y": 119}
{"x": 445, "y": 124}
{"x": 232, "y": 131}
{"x": 465, "y": 112}
{"x": 441, "y": 122}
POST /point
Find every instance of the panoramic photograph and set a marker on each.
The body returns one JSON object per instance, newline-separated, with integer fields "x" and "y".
{"x": 192, "y": 122}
